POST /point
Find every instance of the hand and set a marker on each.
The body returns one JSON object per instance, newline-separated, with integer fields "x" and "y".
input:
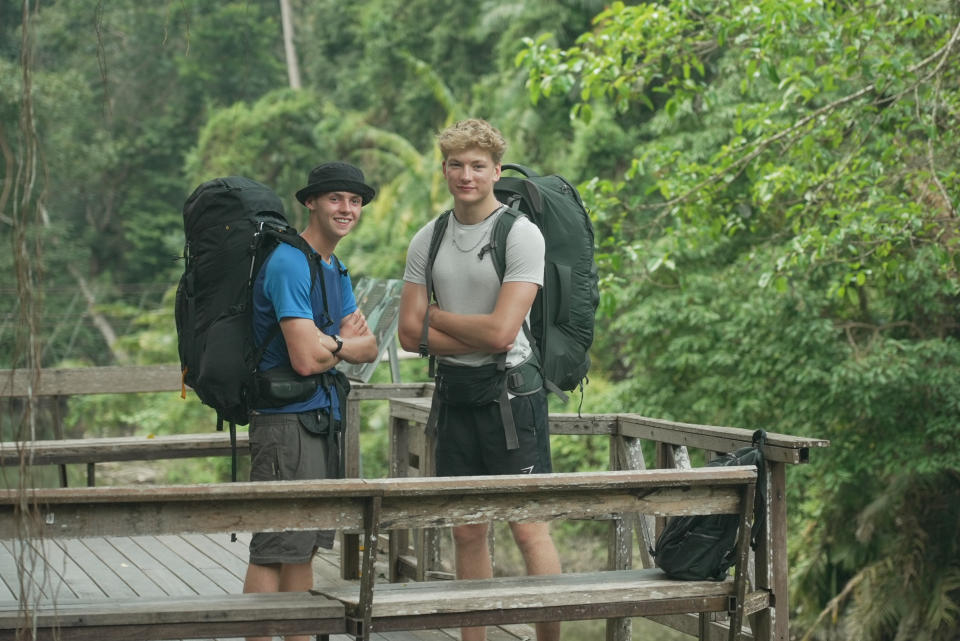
{"x": 326, "y": 341}
{"x": 432, "y": 313}
{"x": 354, "y": 325}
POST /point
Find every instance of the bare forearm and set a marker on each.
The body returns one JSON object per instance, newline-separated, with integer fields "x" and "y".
{"x": 442, "y": 344}
{"x": 480, "y": 332}
{"x": 358, "y": 349}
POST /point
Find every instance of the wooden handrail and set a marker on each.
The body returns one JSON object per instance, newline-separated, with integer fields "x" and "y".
{"x": 303, "y": 505}
{"x": 140, "y": 380}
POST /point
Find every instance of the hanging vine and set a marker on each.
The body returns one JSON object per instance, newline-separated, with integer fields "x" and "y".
{"x": 25, "y": 198}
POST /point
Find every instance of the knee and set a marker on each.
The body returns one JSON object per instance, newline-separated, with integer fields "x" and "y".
{"x": 531, "y": 536}
{"x": 470, "y": 535}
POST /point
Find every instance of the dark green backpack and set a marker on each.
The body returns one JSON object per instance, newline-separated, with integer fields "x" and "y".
{"x": 702, "y": 547}
{"x": 562, "y": 315}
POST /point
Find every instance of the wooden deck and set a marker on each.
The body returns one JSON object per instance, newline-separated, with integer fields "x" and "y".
{"x": 168, "y": 565}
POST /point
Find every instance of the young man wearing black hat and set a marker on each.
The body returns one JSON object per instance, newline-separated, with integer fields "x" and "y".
{"x": 475, "y": 327}
{"x": 320, "y": 325}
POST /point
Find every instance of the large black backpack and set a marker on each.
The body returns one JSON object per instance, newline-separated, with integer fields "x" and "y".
{"x": 702, "y": 547}
{"x": 231, "y": 225}
{"x": 562, "y": 315}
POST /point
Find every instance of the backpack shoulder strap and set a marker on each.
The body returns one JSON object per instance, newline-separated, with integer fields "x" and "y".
{"x": 498, "y": 240}
{"x": 439, "y": 227}
{"x": 758, "y": 440}
{"x": 294, "y": 240}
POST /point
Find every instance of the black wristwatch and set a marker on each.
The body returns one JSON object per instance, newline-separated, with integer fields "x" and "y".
{"x": 339, "y": 340}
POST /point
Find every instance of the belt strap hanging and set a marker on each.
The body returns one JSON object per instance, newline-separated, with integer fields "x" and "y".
{"x": 506, "y": 412}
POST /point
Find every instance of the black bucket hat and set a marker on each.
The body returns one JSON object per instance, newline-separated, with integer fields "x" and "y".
{"x": 336, "y": 176}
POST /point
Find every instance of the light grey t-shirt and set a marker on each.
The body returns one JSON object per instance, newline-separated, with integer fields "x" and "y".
{"x": 466, "y": 283}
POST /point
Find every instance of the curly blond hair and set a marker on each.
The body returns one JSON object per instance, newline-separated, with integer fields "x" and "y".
{"x": 472, "y": 133}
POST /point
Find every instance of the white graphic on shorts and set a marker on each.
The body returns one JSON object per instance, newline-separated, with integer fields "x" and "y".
{"x": 527, "y": 470}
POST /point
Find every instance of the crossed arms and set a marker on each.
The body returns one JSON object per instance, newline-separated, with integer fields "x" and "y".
{"x": 311, "y": 351}
{"x": 452, "y": 333}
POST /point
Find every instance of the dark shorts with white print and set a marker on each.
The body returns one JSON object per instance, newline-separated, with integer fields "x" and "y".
{"x": 471, "y": 439}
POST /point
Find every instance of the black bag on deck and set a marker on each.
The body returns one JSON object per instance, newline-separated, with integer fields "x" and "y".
{"x": 231, "y": 225}
{"x": 702, "y": 547}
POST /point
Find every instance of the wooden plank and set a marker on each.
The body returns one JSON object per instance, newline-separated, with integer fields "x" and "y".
{"x": 9, "y": 574}
{"x": 299, "y": 505}
{"x": 288, "y": 612}
{"x": 230, "y": 555}
{"x": 417, "y": 410}
{"x": 197, "y": 559}
{"x": 107, "y": 553}
{"x": 74, "y": 577}
{"x": 167, "y": 581}
{"x": 127, "y": 448}
{"x": 106, "y": 579}
{"x": 779, "y": 447}
{"x": 571, "y": 612}
{"x": 513, "y": 632}
{"x": 150, "y": 378}
{"x": 92, "y": 380}
{"x": 690, "y": 624}
{"x": 198, "y": 581}
{"x": 47, "y": 566}
{"x": 529, "y": 592}
{"x": 391, "y": 487}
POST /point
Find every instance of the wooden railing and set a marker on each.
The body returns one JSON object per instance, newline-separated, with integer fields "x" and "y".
{"x": 55, "y": 383}
{"x": 414, "y": 554}
{"x": 416, "y": 557}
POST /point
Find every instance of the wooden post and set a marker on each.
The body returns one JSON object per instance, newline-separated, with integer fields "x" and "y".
{"x": 58, "y": 433}
{"x": 772, "y": 624}
{"x": 620, "y": 546}
{"x": 743, "y": 553}
{"x": 350, "y": 543}
{"x": 371, "y": 532}
{"x": 427, "y": 540}
{"x": 399, "y": 540}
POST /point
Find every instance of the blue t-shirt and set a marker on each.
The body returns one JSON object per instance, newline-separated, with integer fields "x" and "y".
{"x": 282, "y": 290}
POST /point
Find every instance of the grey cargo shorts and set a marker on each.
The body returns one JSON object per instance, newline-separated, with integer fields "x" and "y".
{"x": 282, "y": 448}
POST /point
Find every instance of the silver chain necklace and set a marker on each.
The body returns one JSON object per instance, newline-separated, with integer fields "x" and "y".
{"x": 484, "y": 233}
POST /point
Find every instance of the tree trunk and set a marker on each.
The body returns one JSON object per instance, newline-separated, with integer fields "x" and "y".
{"x": 293, "y": 69}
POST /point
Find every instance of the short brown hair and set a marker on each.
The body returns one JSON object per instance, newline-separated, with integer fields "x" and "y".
{"x": 473, "y": 133}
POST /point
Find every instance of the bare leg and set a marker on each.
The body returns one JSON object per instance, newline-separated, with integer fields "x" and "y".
{"x": 262, "y": 578}
{"x": 473, "y": 562}
{"x": 540, "y": 556}
{"x": 276, "y": 577}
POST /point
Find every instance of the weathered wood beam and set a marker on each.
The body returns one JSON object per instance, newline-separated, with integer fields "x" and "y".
{"x": 338, "y": 504}
{"x": 779, "y": 447}
{"x": 150, "y": 378}
{"x": 179, "y": 617}
{"x": 124, "y": 448}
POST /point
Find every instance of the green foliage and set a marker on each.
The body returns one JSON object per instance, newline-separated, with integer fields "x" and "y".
{"x": 773, "y": 185}
{"x": 782, "y": 252}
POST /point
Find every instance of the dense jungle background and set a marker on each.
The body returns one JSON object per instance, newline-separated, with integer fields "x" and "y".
{"x": 774, "y": 186}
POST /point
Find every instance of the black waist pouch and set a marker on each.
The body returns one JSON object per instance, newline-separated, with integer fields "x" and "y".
{"x": 282, "y": 386}
{"x": 470, "y": 386}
